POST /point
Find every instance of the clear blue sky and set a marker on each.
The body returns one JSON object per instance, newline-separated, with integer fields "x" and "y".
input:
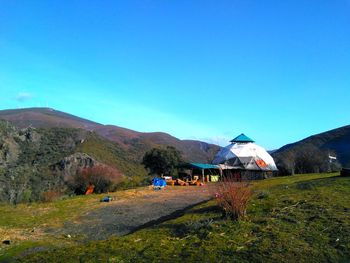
{"x": 276, "y": 70}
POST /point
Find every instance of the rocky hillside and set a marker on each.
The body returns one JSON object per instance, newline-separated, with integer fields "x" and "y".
{"x": 36, "y": 160}
{"x": 41, "y": 149}
{"x": 136, "y": 143}
{"x": 315, "y": 150}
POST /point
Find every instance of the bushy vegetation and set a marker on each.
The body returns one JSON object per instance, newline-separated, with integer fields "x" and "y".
{"x": 28, "y": 159}
{"x": 27, "y": 176}
{"x": 305, "y": 158}
{"x": 102, "y": 178}
{"x": 50, "y": 146}
{"x": 233, "y": 198}
{"x": 334, "y": 142}
{"x": 51, "y": 195}
{"x": 112, "y": 154}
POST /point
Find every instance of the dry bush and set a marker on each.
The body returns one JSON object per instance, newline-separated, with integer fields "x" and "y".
{"x": 104, "y": 178}
{"x": 233, "y": 197}
{"x": 50, "y": 195}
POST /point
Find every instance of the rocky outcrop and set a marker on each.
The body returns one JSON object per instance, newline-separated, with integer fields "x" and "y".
{"x": 10, "y": 142}
{"x": 70, "y": 165}
{"x": 9, "y": 148}
{"x": 29, "y": 135}
{"x": 9, "y": 151}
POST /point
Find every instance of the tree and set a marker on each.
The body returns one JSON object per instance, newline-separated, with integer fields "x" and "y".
{"x": 286, "y": 162}
{"x": 304, "y": 159}
{"x": 162, "y": 161}
{"x": 311, "y": 159}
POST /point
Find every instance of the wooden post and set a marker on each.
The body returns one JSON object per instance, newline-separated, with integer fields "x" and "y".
{"x": 203, "y": 175}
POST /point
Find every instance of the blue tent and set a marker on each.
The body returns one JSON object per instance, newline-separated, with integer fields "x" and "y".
{"x": 158, "y": 183}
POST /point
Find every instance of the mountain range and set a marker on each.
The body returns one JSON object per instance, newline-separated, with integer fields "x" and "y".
{"x": 42, "y": 150}
{"x": 138, "y": 142}
{"x": 133, "y": 144}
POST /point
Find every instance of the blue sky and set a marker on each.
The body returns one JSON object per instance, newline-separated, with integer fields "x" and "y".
{"x": 278, "y": 71}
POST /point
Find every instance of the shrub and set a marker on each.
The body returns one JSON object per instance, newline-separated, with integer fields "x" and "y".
{"x": 50, "y": 195}
{"x": 233, "y": 198}
{"x": 104, "y": 178}
{"x": 27, "y": 196}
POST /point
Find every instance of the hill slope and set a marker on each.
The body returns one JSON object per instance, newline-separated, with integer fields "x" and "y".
{"x": 137, "y": 143}
{"x": 334, "y": 142}
{"x": 36, "y": 160}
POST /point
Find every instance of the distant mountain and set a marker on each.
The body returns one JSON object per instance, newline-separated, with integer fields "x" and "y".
{"x": 45, "y": 118}
{"x": 334, "y": 142}
{"x": 137, "y": 143}
{"x": 132, "y": 145}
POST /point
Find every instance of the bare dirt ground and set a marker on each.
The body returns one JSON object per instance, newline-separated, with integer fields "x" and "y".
{"x": 135, "y": 209}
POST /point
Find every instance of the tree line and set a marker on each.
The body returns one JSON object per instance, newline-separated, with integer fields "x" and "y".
{"x": 305, "y": 159}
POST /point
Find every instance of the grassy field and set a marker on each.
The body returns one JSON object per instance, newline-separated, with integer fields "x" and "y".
{"x": 27, "y": 225}
{"x": 301, "y": 218}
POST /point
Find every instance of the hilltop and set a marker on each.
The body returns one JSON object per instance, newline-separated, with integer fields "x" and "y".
{"x": 135, "y": 142}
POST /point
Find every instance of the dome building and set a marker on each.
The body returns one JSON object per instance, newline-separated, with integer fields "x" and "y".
{"x": 245, "y": 160}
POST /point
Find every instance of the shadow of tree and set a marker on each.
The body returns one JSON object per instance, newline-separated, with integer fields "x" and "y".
{"x": 319, "y": 182}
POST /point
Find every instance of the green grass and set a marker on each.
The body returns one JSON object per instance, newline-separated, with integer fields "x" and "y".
{"x": 302, "y": 218}
{"x": 26, "y": 224}
{"x": 37, "y": 214}
{"x": 107, "y": 152}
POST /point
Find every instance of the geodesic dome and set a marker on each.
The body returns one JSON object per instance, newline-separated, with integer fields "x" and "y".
{"x": 244, "y": 154}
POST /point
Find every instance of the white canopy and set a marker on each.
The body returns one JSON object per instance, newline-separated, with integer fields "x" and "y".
{"x": 245, "y": 155}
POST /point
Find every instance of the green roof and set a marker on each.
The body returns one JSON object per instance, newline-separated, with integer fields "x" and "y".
{"x": 242, "y": 138}
{"x": 201, "y": 166}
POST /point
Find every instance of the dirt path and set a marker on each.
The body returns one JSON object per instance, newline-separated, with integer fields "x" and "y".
{"x": 134, "y": 210}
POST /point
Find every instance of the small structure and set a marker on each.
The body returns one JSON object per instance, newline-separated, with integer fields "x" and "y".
{"x": 204, "y": 172}
{"x": 245, "y": 160}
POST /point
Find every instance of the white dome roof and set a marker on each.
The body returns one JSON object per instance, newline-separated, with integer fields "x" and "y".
{"x": 248, "y": 156}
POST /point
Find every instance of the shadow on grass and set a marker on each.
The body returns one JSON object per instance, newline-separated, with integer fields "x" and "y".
{"x": 200, "y": 227}
{"x": 320, "y": 182}
{"x": 171, "y": 216}
{"x": 207, "y": 209}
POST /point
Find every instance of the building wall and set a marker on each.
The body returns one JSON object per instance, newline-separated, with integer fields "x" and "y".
{"x": 246, "y": 175}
